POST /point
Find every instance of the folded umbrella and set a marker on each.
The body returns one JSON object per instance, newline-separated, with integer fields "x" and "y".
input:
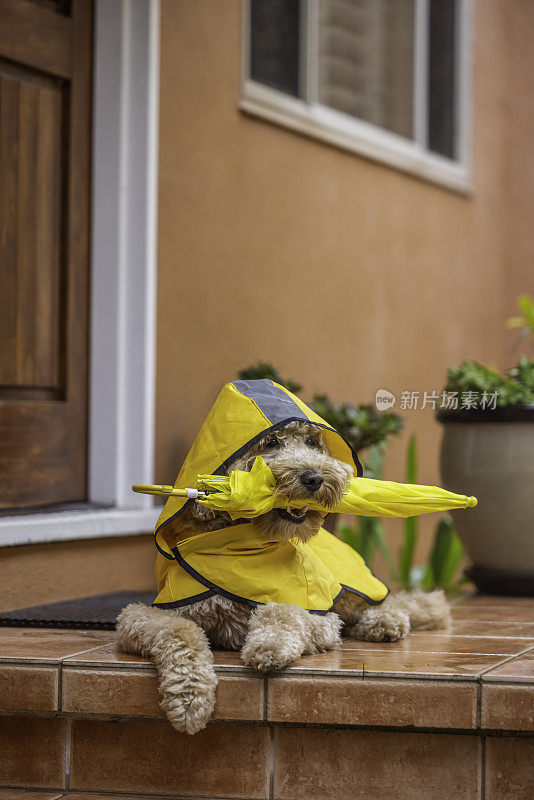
{"x": 250, "y": 494}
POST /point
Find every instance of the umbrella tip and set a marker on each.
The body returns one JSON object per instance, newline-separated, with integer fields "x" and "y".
{"x": 472, "y": 502}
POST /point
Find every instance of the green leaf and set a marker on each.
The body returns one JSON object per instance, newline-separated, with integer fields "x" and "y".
{"x": 374, "y": 461}
{"x": 515, "y": 387}
{"x": 429, "y": 582}
{"x": 525, "y": 304}
{"x": 447, "y": 552}
{"x": 411, "y": 527}
{"x": 515, "y": 322}
{"x": 411, "y": 460}
{"x": 381, "y": 544}
{"x": 367, "y": 545}
{"x": 350, "y": 536}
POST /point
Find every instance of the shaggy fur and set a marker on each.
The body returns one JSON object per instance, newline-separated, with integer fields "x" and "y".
{"x": 274, "y": 635}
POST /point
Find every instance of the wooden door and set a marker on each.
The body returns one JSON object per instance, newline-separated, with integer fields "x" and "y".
{"x": 45, "y": 113}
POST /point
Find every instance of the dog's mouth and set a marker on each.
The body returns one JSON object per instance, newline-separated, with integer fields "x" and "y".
{"x": 295, "y": 515}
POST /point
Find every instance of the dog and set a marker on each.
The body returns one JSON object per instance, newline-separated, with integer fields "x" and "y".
{"x": 274, "y": 635}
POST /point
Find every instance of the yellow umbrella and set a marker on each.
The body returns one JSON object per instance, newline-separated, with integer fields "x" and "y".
{"x": 250, "y": 494}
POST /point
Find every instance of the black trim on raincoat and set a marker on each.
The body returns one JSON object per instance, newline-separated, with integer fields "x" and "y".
{"x": 187, "y": 601}
{"x": 214, "y": 589}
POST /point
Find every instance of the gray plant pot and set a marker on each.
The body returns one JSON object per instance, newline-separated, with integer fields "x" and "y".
{"x": 491, "y": 455}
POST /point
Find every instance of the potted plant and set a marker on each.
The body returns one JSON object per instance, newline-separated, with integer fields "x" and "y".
{"x": 488, "y": 450}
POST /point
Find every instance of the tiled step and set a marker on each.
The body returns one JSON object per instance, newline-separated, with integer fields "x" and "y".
{"x": 437, "y": 716}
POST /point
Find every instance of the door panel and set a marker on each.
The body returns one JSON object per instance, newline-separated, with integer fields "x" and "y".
{"x": 31, "y": 166}
{"x": 44, "y": 239}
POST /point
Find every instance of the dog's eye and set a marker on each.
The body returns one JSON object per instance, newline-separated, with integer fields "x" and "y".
{"x": 312, "y": 442}
{"x": 272, "y": 443}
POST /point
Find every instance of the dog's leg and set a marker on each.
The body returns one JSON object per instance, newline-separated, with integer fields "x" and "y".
{"x": 399, "y": 614}
{"x": 183, "y": 659}
{"x": 278, "y": 634}
{"x": 428, "y": 611}
{"x": 383, "y": 623}
{"x": 324, "y": 632}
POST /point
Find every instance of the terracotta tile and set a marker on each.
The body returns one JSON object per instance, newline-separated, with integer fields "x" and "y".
{"x": 229, "y": 660}
{"x": 313, "y": 764}
{"x": 347, "y": 701}
{"x": 114, "y": 692}
{"x": 33, "y": 751}
{"x": 428, "y": 642}
{"x": 22, "y": 794}
{"x": 135, "y": 693}
{"x": 149, "y": 756}
{"x": 239, "y": 698}
{"x": 488, "y": 613}
{"x": 41, "y": 645}
{"x": 520, "y": 670}
{"x": 497, "y": 600}
{"x": 466, "y": 627}
{"x": 393, "y": 662}
{"x": 32, "y": 688}
{"x": 99, "y": 796}
{"x": 109, "y": 655}
{"x": 91, "y": 796}
{"x": 509, "y": 768}
{"x": 508, "y": 707}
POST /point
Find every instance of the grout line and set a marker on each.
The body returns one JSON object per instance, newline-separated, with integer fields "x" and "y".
{"x": 272, "y": 762}
{"x": 265, "y": 697}
{"x": 86, "y": 650}
{"x": 97, "y": 794}
{"x": 483, "y": 768}
{"x": 441, "y": 677}
{"x": 478, "y": 705}
{"x": 67, "y": 752}
{"x": 505, "y": 661}
{"x": 499, "y": 637}
{"x": 56, "y": 794}
{"x": 59, "y": 688}
{"x": 325, "y": 726}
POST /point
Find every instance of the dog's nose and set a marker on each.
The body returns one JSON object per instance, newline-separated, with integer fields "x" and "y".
{"x": 311, "y": 480}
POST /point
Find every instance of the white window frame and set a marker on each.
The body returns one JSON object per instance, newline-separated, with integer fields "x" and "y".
{"x": 308, "y": 117}
{"x": 123, "y": 284}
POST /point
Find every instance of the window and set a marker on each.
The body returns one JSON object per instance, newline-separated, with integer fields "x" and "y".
{"x": 384, "y": 78}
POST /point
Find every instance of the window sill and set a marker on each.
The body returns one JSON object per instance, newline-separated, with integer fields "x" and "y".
{"x": 353, "y": 135}
{"x": 60, "y": 526}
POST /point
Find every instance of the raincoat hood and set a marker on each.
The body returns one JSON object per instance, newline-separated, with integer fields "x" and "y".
{"x": 243, "y": 413}
{"x": 236, "y": 561}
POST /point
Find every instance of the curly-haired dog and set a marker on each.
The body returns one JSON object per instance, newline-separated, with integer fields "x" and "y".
{"x": 273, "y": 635}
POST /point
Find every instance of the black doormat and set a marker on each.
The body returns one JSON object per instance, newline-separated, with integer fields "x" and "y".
{"x": 99, "y": 612}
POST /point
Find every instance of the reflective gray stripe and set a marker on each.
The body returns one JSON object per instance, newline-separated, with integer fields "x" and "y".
{"x": 275, "y": 404}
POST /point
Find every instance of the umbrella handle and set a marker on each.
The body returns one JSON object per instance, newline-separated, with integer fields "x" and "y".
{"x": 168, "y": 491}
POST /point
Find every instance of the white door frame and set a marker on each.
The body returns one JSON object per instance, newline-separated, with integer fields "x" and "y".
{"x": 123, "y": 283}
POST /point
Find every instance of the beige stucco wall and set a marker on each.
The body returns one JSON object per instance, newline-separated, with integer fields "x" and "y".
{"x": 48, "y": 573}
{"x": 348, "y": 275}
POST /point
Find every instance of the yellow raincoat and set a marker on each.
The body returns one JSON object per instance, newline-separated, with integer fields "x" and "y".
{"x": 237, "y": 562}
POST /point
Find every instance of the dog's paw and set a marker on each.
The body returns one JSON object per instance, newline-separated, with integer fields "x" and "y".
{"x": 188, "y": 700}
{"x": 277, "y": 635}
{"x": 267, "y": 655}
{"x": 188, "y": 712}
{"x": 324, "y": 633}
{"x": 380, "y": 627}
